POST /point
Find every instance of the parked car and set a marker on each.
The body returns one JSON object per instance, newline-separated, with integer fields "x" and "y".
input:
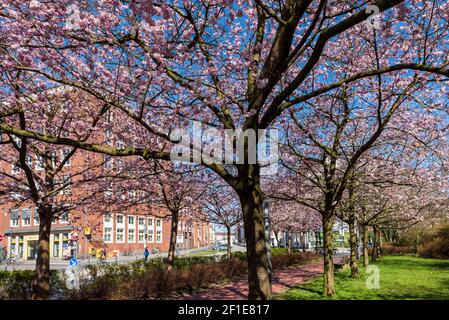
{"x": 220, "y": 246}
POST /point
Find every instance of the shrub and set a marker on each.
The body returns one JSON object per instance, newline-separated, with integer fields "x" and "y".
{"x": 239, "y": 255}
{"x": 149, "y": 280}
{"x": 17, "y": 285}
{"x": 438, "y": 247}
{"x": 390, "y": 249}
{"x": 144, "y": 280}
{"x": 277, "y": 251}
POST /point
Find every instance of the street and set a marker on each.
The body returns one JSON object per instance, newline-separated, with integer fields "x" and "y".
{"x": 59, "y": 264}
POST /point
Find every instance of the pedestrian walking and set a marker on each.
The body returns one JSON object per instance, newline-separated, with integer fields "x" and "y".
{"x": 146, "y": 253}
{"x": 103, "y": 254}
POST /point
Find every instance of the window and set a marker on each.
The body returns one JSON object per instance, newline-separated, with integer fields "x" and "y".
{"x": 141, "y": 221}
{"x": 141, "y": 236}
{"x": 107, "y": 162}
{"x": 109, "y": 116}
{"x": 131, "y": 235}
{"x": 39, "y": 163}
{"x": 54, "y": 159}
{"x": 158, "y": 223}
{"x": 158, "y": 236}
{"x": 18, "y": 141}
{"x": 56, "y": 245}
{"x": 65, "y": 240}
{"x": 120, "y": 219}
{"x": 132, "y": 195}
{"x": 64, "y": 217}
{"x": 64, "y": 154}
{"x": 131, "y": 220}
{"x": 26, "y": 217}
{"x": 107, "y": 236}
{"x": 15, "y": 169}
{"x": 150, "y": 236}
{"x": 107, "y": 218}
{"x": 20, "y": 251}
{"x": 14, "y": 217}
{"x": 67, "y": 185}
{"x": 36, "y": 217}
{"x": 108, "y": 192}
{"x": 150, "y": 223}
{"x": 107, "y": 136}
{"x": 119, "y": 235}
{"x": 29, "y": 161}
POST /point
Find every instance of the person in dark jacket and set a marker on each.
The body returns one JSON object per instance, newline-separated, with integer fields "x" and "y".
{"x": 146, "y": 253}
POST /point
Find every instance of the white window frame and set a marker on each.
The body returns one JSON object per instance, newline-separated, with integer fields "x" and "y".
{"x": 108, "y": 223}
{"x": 120, "y": 224}
{"x": 110, "y": 234}
{"x": 133, "y": 240}
{"x": 39, "y": 163}
{"x": 64, "y": 153}
{"x": 108, "y": 162}
{"x": 67, "y": 190}
{"x": 159, "y": 233}
{"x": 122, "y": 233}
{"x": 29, "y": 161}
{"x": 139, "y": 232}
{"x": 15, "y": 169}
{"x": 36, "y": 220}
{"x": 158, "y": 225}
{"x": 64, "y": 221}
{"x": 141, "y": 228}
{"x": 11, "y": 224}
{"x": 150, "y": 236}
{"x": 29, "y": 219}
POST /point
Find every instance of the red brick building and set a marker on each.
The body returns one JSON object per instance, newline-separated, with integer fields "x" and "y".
{"x": 80, "y": 231}
{"x": 124, "y": 233}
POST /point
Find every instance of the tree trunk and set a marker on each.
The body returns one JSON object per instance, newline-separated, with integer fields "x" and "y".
{"x": 317, "y": 239}
{"x": 41, "y": 284}
{"x": 259, "y": 281}
{"x": 379, "y": 242}
{"x": 276, "y": 236}
{"x": 303, "y": 239}
{"x": 228, "y": 230}
{"x": 173, "y": 236}
{"x": 365, "y": 246}
{"x": 374, "y": 252}
{"x": 353, "y": 248}
{"x": 328, "y": 224}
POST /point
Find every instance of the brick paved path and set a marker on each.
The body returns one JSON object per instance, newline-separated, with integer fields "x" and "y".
{"x": 282, "y": 280}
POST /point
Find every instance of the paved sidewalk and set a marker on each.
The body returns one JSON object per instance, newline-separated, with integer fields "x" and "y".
{"x": 282, "y": 280}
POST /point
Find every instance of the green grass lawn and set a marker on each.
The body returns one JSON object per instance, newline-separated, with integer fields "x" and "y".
{"x": 401, "y": 277}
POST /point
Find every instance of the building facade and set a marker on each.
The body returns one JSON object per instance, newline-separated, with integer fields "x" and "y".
{"x": 81, "y": 234}
{"x": 84, "y": 230}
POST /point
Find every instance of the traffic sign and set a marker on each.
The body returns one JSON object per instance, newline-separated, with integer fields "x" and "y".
{"x": 87, "y": 231}
{"x": 73, "y": 262}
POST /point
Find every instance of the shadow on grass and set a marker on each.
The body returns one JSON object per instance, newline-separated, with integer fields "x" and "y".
{"x": 402, "y": 278}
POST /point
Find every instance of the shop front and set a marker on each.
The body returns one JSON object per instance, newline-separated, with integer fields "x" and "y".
{"x": 24, "y": 243}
